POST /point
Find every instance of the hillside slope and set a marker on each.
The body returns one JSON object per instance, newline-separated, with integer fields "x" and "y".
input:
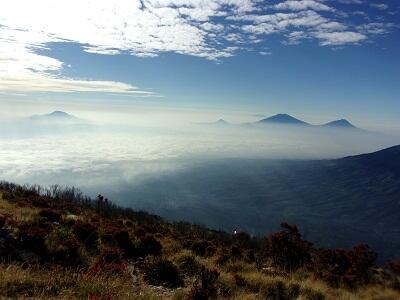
{"x": 336, "y": 202}
{"x": 59, "y": 244}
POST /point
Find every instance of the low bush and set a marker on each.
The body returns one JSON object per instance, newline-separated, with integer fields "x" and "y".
{"x": 188, "y": 264}
{"x": 393, "y": 266}
{"x": 2, "y": 221}
{"x": 118, "y": 237}
{"x": 204, "y": 287}
{"x": 162, "y": 272}
{"x": 222, "y": 258}
{"x": 345, "y": 267}
{"x": 86, "y": 233}
{"x": 287, "y": 249}
{"x": 203, "y": 248}
{"x": 63, "y": 246}
{"x": 226, "y": 285}
{"x": 148, "y": 245}
{"x": 109, "y": 262}
{"x": 31, "y": 236}
{"x": 124, "y": 243}
{"x": 50, "y": 215}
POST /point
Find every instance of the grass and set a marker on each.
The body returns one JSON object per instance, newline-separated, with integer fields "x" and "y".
{"x": 18, "y": 212}
{"x": 48, "y": 283}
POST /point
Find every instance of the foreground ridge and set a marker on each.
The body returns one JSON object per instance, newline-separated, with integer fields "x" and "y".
{"x": 59, "y": 243}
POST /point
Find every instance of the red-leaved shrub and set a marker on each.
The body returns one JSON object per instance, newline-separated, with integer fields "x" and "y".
{"x": 109, "y": 261}
{"x": 287, "y": 249}
{"x": 345, "y": 267}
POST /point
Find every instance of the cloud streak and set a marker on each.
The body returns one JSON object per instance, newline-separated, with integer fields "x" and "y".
{"x": 213, "y": 30}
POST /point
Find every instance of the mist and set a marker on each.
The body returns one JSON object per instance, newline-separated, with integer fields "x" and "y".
{"x": 224, "y": 175}
{"x": 44, "y": 151}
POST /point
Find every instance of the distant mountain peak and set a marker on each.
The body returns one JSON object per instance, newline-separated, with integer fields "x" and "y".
{"x": 343, "y": 123}
{"x": 55, "y": 115}
{"x": 282, "y": 119}
{"x": 221, "y": 121}
{"x": 59, "y": 113}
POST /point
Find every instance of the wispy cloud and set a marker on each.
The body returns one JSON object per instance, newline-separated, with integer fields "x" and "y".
{"x": 339, "y": 38}
{"x": 146, "y": 28}
{"x": 381, "y": 6}
{"x": 302, "y": 5}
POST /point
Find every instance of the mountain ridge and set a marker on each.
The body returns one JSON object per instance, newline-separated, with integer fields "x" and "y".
{"x": 286, "y": 119}
{"x": 341, "y": 123}
{"x": 55, "y": 115}
{"x": 282, "y": 119}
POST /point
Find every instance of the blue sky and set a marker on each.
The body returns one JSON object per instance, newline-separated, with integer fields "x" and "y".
{"x": 315, "y": 59}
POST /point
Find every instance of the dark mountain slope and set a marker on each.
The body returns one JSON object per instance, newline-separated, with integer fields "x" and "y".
{"x": 336, "y": 202}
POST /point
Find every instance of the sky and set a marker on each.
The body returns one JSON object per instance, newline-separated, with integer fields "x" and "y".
{"x": 315, "y": 59}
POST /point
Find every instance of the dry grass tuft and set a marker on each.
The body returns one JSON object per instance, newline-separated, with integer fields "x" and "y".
{"x": 19, "y": 213}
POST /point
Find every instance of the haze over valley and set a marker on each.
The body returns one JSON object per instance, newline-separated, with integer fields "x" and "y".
{"x": 244, "y": 176}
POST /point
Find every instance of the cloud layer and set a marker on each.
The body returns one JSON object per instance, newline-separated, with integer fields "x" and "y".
{"x": 145, "y": 28}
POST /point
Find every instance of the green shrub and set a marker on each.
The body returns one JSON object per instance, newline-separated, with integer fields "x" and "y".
{"x": 188, "y": 264}
{"x": 63, "y": 246}
{"x": 158, "y": 271}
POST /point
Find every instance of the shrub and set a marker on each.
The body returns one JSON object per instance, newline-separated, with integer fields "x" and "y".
{"x": 86, "y": 233}
{"x": 250, "y": 256}
{"x": 124, "y": 243}
{"x": 226, "y": 285}
{"x": 222, "y": 258}
{"x": 348, "y": 267}
{"x": 240, "y": 281}
{"x": 202, "y": 248}
{"x": 2, "y": 221}
{"x": 162, "y": 272}
{"x": 50, "y": 215}
{"x": 205, "y": 286}
{"x": 236, "y": 252}
{"x": 140, "y": 231}
{"x": 119, "y": 237}
{"x": 393, "y": 266}
{"x": 287, "y": 249}
{"x": 109, "y": 261}
{"x": 32, "y": 237}
{"x": 188, "y": 264}
{"x": 63, "y": 246}
{"x": 149, "y": 246}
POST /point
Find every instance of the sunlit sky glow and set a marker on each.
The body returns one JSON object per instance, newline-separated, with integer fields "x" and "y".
{"x": 317, "y": 59}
